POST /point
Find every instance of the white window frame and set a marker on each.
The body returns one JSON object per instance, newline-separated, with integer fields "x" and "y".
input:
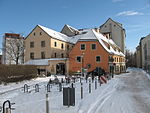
{"x": 95, "y": 46}
{"x": 80, "y": 47}
{"x": 96, "y": 59}
{"x": 80, "y": 59}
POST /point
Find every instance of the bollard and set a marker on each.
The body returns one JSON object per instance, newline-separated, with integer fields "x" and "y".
{"x": 36, "y": 87}
{"x": 99, "y": 81}
{"x": 47, "y": 103}
{"x": 60, "y": 87}
{"x": 80, "y": 79}
{"x": 95, "y": 83}
{"x": 72, "y": 85}
{"x": 62, "y": 80}
{"x": 81, "y": 90}
{"x": 89, "y": 85}
{"x": 48, "y": 87}
{"x": 74, "y": 79}
{"x": 86, "y": 78}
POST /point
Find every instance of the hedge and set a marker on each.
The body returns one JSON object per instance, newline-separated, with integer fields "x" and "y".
{"x": 16, "y": 73}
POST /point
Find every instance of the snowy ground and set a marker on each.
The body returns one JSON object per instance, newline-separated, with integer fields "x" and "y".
{"x": 126, "y": 93}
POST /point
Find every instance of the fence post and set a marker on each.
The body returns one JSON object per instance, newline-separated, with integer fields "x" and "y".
{"x": 89, "y": 85}
{"x": 48, "y": 87}
{"x": 95, "y": 83}
{"x": 60, "y": 87}
{"x": 81, "y": 90}
{"x": 36, "y": 87}
{"x": 47, "y": 103}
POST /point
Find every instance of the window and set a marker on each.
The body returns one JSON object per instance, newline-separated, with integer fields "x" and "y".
{"x": 62, "y": 55}
{"x": 55, "y": 44}
{"x": 82, "y": 47}
{"x": 62, "y": 46}
{"x": 55, "y": 55}
{"x": 40, "y": 33}
{"x": 34, "y": 34}
{"x": 31, "y": 55}
{"x": 31, "y": 44}
{"x": 43, "y": 55}
{"x": 42, "y": 43}
{"x": 98, "y": 58}
{"x": 93, "y": 46}
{"x": 78, "y": 58}
{"x": 67, "y": 47}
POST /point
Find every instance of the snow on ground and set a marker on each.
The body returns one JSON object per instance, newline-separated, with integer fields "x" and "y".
{"x": 126, "y": 93}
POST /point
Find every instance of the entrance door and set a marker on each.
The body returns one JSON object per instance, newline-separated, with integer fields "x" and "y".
{"x": 60, "y": 68}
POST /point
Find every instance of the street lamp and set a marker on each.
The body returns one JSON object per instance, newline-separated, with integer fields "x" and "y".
{"x": 82, "y": 55}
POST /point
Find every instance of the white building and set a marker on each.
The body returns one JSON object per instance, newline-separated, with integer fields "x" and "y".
{"x": 145, "y": 52}
{"x": 116, "y": 32}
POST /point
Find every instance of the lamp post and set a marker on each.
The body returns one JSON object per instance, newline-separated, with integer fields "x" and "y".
{"x": 82, "y": 60}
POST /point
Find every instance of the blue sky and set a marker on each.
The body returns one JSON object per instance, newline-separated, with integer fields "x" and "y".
{"x": 21, "y": 16}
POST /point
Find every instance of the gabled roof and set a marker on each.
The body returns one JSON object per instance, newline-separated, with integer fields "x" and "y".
{"x": 71, "y": 29}
{"x": 117, "y": 23}
{"x": 59, "y": 35}
{"x": 55, "y": 34}
{"x": 91, "y": 34}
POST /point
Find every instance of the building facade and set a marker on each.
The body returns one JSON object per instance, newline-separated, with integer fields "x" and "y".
{"x": 138, "y": 57}
{"x": 13, "y": 49}
{"x": 94, "y": 50}
{"x": 58, "y": 52}
{"x": 49, "y": 45}
{"x": 116, "y": 32}
{"x": 145, "y": 47}
{"x": 143, "y": 54}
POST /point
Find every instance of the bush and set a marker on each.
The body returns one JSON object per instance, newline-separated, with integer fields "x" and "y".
{"x": 17, "y": 73}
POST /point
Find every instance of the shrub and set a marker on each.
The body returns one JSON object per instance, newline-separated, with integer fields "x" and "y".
{"x": 17, "y": 73}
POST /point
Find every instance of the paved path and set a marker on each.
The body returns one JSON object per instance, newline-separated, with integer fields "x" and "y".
{"x": 130, "y": 95}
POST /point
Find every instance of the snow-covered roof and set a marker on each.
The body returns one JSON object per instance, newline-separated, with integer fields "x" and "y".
{"x": 72, "y": 28}
{"x": 83, "y": 35}
{"x": 55, "y": 34}
{"x": 59, "y": 35}
{"x": 91, "y": 34}
{"x": 42, "y": 62}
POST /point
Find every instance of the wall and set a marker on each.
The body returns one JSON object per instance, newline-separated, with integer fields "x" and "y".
{"x": 116, "y": 32}
{"x": 89, "y": 57}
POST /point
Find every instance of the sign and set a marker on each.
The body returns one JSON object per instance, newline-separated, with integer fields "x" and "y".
{"x": 103, "y": 79}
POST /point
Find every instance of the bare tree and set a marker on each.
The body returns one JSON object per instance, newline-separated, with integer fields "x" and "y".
{"x": 130, "y": 57}
{"x": 15, "y": 50}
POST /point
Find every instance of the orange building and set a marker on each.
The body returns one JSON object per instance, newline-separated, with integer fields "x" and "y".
{"x": 94, "y": 50}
